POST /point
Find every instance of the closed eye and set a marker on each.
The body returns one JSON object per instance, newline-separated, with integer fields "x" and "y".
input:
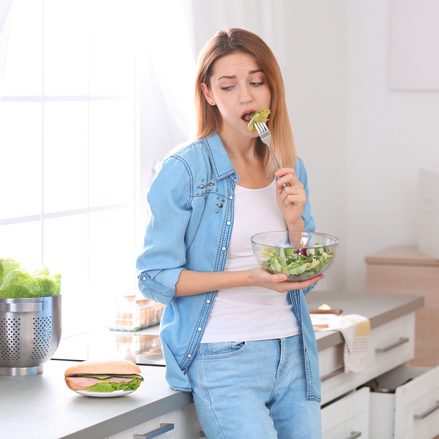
{"x": 257, "y": 84}
{"x": 228, "y": 88}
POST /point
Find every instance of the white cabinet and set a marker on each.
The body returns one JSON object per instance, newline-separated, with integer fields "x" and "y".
{"x": 178, "y": 424}
{"x": 390, "y": 345}
{"x": 347, "y": 418}
{"x": 410, "y": 412}
{"x": 405, "y": 404}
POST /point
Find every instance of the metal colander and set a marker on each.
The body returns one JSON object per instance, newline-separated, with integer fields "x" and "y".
{"x": 30, "y": 331}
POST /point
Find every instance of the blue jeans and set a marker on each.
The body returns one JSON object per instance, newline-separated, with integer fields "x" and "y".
{"x": 253, "y": 390}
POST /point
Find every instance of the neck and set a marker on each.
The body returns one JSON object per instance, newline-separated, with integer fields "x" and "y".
{"x": 249, "y": 166}
{"x": 238, "y": 147}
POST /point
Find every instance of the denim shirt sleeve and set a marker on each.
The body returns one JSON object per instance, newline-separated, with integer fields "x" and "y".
{"x": 164, "y": 252}
{"x": 308, "y": 220}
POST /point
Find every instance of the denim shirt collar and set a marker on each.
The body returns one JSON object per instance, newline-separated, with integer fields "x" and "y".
{"x": 221, "y": 164}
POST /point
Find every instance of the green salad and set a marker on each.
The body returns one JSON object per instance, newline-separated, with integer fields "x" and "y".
{"x": 294, "y": 262}
{"x": 16, "y": 282}
{"x": 258, "y": 117}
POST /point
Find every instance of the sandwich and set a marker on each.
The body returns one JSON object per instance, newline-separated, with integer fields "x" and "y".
{"x": 103, "y": 376}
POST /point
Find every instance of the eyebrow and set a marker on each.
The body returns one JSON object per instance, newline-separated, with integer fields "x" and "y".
{"x": 251, "y": 72}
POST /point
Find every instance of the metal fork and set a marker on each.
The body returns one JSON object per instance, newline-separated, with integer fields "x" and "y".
{"x": 265, "y": 136}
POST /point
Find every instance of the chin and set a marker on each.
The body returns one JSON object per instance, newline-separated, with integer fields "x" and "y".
{"x": 248, "y": 133}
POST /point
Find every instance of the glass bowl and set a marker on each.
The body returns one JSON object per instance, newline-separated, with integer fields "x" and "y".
{"x": 308, "y": 255}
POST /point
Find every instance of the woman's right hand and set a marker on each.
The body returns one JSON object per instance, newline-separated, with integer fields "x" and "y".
{"x": 279, "y": 282}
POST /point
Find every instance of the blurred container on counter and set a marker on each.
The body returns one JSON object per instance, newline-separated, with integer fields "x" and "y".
{"x": 138, "y": 347}
{"x": 133, "y": 313}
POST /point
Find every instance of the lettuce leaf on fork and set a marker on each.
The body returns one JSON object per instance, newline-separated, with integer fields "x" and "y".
{"x": 258, "y": 117}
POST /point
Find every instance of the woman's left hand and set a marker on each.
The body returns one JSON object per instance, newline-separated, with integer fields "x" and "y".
{"x": 291, "y": 196}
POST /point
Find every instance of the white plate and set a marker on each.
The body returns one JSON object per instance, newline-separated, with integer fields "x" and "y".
{"x": 105, "y": 394}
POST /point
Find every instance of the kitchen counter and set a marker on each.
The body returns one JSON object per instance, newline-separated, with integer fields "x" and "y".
{"x": 43, "y": 407}
{"x": 378, "y": 308}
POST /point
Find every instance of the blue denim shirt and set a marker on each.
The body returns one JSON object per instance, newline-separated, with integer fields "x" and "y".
{"x": 191, "y": 201}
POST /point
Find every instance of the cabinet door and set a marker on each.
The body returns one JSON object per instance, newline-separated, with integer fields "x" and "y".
{"x": 347, "y": 418}
{"x": 417, "y": 404}
{"x": 405, "y": 404}
{"x": 393, "y": 344}
{"x": 184, "y": 421}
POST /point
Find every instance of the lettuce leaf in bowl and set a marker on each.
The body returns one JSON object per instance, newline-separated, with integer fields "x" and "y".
{"x": 296, "y": 262}
{"x": 16, "y": 282}
{"x": 6, "y": 266}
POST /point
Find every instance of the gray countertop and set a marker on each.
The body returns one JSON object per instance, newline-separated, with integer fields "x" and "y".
{"x": 378, "y": 308}
{"x": 43, "y": 407}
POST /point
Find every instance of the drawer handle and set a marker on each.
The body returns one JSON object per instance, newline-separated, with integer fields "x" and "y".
{"x": 394, "y": 345}
{"x": 354, "y": 435}
{"x": 427, "y": 412}
{"x": 155, "y": 433}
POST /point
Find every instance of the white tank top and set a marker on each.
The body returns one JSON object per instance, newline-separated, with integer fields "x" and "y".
{"x": 250, "y": 313}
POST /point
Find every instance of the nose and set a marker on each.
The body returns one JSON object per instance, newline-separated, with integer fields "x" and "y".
{"x": 245, "y": 95}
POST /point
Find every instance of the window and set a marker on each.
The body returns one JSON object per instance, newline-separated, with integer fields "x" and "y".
{"x": 68, "y": 149}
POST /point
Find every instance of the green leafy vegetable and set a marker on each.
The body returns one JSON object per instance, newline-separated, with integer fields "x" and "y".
{"x": 296, "y": 263}
{"x": 259, "y": 117}
{"x": 16, "y": 282}
{"x": 6, "y": 266}
{"x": 112, "y": 386}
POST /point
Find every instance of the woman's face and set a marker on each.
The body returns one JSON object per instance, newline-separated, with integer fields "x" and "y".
{"x": 238, "y": 88}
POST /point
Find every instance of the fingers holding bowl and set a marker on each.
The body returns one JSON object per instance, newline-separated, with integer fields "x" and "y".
{"x": 300, "y": 285}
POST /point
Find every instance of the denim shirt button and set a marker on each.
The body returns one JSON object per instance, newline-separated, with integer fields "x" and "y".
{"x": 199, "y": 328}
{"x": 144, "y": 278}
{"x": 207, "y": 301}
{"x": 229, "y": 222}
{"x": 189, "y": 355}
{"x": 230, "y": 197}
{"x": 223, "y": 249}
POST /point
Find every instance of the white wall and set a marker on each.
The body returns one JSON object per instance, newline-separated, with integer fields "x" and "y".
{"x": 309, "y": 40}
{"x": 362, "y": 142}
{"x": 315, "y": 78}
{"x": 390, "y": 134}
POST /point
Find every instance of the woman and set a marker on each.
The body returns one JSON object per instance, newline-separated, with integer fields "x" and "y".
{"x": 235, "y": 335}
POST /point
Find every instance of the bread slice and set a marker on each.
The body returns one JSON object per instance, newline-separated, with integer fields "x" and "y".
{"x": 113, "y": 367}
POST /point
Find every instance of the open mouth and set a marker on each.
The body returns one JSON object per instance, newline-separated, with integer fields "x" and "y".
{"x": 247, "y": 116}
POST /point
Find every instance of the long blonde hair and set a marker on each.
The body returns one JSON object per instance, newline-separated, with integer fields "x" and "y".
{"x": 208, "y": 116}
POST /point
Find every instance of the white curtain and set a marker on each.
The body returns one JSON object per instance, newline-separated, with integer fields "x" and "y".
{"x": 166, "y": 66}
{"x": 5, "y": 8}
